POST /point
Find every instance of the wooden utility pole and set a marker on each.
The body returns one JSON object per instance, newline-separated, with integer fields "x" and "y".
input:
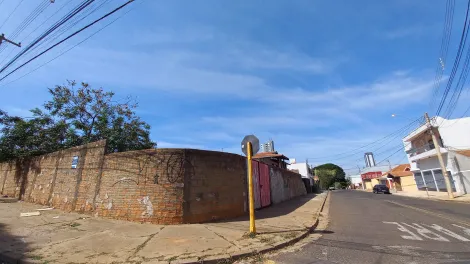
{"x": 439, "y": 156}
{"x": 2, "y": 38}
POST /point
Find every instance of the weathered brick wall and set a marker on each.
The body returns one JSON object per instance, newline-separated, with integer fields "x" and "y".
{"x": 41, "y": 185}
{"x": 50, "y": 179}
{"x": 7, "y": 178}
{"x": 163, "y": 186}
{"x": 215, "y": 186}
{"x": 285, "y": 185}
{"x": 144, "y": 186}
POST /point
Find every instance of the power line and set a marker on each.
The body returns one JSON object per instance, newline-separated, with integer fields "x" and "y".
{"x": 458, "y": 56}
{"x": 394, "y": 153}
{"x": 11, "y": 13}
{"x": 68, "y": 37}
{"x": 67, "y": 50}
{"x": 30, "y": 18}
{"x": 446, "y": 34}
{"x": 62, "y": 30}
{"x": 34, "y": 30}
{"x": 67, "y": 17}
{"x": 460, "y": 85}
{"x": 355, "y": 151}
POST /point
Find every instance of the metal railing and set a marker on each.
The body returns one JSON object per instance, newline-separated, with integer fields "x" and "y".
{"x": 427, "y": 147}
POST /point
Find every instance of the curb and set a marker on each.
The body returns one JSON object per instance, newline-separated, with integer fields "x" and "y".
{"x": 434, "y": 199}
{"x": 8, "y": 200}
{"x": 7, "y": 259}
{"x": 244, "y": 254}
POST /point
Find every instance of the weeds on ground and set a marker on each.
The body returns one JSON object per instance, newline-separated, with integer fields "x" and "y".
{"x": 35, "y": 257}
{"x": 266, "y": 240}
{"x": 74, "y": 224}
{"x": 249, "y": 235}
{"x": 172, "y": 259}
{"x": 289, "y": 235}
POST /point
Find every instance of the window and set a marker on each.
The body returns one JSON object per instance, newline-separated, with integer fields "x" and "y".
{"x": 429, "y": 181}
{"x": 441, "y": 184}
{"x": 431, "y": 144}
{"x": 419, "y": 180}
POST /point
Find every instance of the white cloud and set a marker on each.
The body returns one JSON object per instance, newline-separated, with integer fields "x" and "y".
{"x": 164, "y": 144}
{"x": 16, "y": 111}
{"x": 411, "y": 31}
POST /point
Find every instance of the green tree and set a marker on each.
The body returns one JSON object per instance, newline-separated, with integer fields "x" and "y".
{"x": 74, "y": 116}
{"x": 328, "y": 174}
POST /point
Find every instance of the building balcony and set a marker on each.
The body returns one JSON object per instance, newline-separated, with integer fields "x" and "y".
{"x": 423, "y": 152}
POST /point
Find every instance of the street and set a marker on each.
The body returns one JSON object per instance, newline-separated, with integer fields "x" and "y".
{"x": 379, "y": 228}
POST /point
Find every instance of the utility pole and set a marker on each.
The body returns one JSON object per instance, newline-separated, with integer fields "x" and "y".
{"x": 439, "y": 156}
{"x": 2, "y": 38}
{"x": 251, "y": 196}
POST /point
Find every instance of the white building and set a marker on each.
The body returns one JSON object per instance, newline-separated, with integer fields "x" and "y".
{"x": 454, "y": 139}
{"x": 302, "y": 169}
{"x": 356, "y": 180}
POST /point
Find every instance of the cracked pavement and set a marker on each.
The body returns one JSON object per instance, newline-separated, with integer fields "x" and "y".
{"x": 59, "y": 237}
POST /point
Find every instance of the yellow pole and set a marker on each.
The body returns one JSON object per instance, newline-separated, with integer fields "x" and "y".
{"x": 251, "y": 195}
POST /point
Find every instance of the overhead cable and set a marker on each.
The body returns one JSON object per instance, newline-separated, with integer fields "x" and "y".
{"x": 458, "y": 56}
{"x": 68, "y": 37}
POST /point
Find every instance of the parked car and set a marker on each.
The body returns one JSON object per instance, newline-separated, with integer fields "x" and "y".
{"x": 332, "y": 188}
{"x": 381, "y": 188}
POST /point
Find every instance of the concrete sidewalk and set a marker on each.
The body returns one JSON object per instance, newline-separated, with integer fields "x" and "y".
{"x": 58, "y": 237}
{"x": 442, "y": 196}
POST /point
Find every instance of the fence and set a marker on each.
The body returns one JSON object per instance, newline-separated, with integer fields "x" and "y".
{"x": 162, "y": 186}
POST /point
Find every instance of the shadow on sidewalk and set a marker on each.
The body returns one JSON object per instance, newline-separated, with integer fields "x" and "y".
{"x": 275, "y": 210}
{"x": 12, "y": 248}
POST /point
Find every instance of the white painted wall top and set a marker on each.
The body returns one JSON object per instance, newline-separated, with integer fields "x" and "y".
{"x": 355, "y": 179}
{"x": 455, "y": 133}
{"x": 302, "y": 168}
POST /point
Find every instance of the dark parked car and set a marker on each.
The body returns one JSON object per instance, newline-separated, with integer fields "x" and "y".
{"x": 381, "y": 188}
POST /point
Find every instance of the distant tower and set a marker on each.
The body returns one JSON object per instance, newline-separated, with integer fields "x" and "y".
{"x": 268, "y": 146}
{"x": 369, "y": 159}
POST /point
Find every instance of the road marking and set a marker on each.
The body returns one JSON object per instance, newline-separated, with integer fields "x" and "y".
{"x": 465, "y": 230}
{"x": 431, "y": 213}
{"x": 412, "y": 236}
{"x": 426, "y": 233}
{"x": 448, "y": 232}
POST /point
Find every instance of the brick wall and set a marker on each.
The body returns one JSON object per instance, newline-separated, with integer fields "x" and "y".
{"x": 50, "y": 179}
{"x": 285, "y": 185}
{"x": 161, "y": 186}
{"x": 144, "y": 186}
{"x": 215, "y": 186}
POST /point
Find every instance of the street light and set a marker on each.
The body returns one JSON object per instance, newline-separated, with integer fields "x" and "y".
{"x": 400, "y": 116}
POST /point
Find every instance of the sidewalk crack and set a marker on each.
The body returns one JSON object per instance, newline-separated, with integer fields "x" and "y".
{"x": 219, "y": 235}
{"x": 141, "y": 246}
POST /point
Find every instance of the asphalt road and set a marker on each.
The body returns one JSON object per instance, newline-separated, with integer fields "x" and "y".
{"x": 379, "y": 228}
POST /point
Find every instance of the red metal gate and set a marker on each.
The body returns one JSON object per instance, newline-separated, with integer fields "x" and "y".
{"x": 256, "y": 183}
{"x": 265, "y": 188}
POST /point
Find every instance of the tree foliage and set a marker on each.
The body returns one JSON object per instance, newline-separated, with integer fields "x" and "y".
{"x": 328, "y": 174}
{"x": 74, "y": 116}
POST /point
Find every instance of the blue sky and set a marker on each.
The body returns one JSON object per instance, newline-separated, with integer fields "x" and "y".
{"x": 318, "y": 77}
